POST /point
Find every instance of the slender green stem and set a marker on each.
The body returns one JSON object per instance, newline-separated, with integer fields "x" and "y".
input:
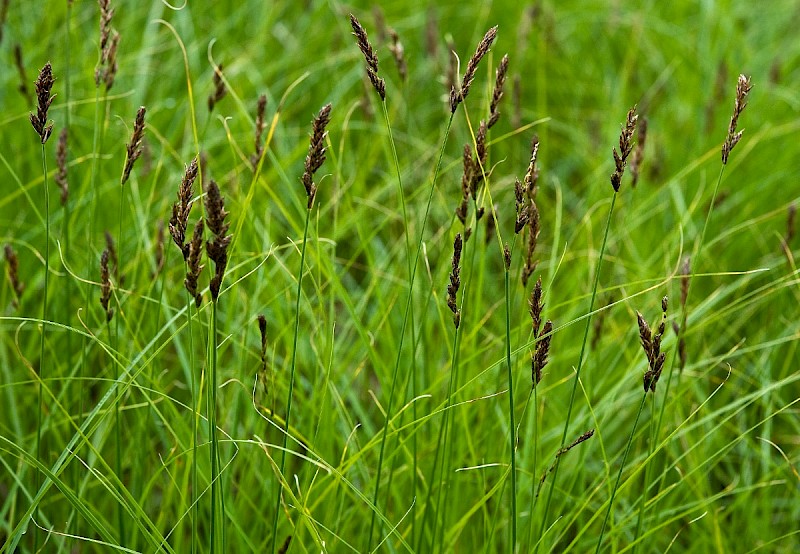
{"x": 580, "y": 366}
{"x": 512, "y": 425}
{"x": 619, "y": 474}
{"x": 42, "y": 341}
{"x": 291, "y": 378}
{"x": 387, "y": 419}
{"x": 118, "y": 396}
{"x": 216, "y": 490}
{"x": 195, "y": 403}
{"x": 535, "y": 446}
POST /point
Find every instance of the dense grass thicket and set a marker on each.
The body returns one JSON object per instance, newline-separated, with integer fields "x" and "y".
{"x": 334, "y": 379}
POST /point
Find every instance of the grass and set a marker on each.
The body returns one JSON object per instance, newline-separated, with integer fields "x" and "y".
{"x": 426, "y": 437}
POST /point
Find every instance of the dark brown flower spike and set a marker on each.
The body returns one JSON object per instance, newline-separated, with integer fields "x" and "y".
{"x": 370, "y": 57}
{"x": 507, "y": 256}
{"x": 532, "y": 174}
{"x": 479, "y": 170}
{"x": 520, "y": 206}
{"x": 533, "y": 240}
{"x": 396, "y": 48}
{"x": 625, "y": 147}
{"x": 105, "y": 286}
{"x": 466, "y": 185}
{"x": 219, "y": 88}
{"x": 458, "y": 96}
{"x": 261, "y": 125}
{"x": 44, "y": 86}
{"x": 743, "y": 87}
{"x": 193, "y": 265}
{"x": 106, "y": 68}
{"x": 455, "y": 281}
{"x": 262, "y": 371}
{"x": 651, "y": 344}
{"x": 638, "y": 153}
{"x": 134, "y": 148}
{"x": 316, "y": 152}
{"x": 217, "y": 245}
{"x": 61, "y": 166}
{"x": 179, "y": 221}
{"x": 497, "y": 93}
{"x": 111, "y": 248}
{"x": 12, "y": 270}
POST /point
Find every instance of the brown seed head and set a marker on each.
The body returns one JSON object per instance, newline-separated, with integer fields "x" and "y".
{"x": 466, "y": 184}
{"x": 193, "y": 265}
{"x": 111, "y": 248}
{"x": 262, "y": 328}
{"x": 539, "y": 357}
{"x": 12, "y": 270}
{"x": 105, "y": 286}
{"x": 455, "y": 281}
{"x": 180, "y": 210}
{"x": 110, "y": 71}
{"x": 370, "y": 57}
{"x": 316, "y": 152}
{"x": 743, "y": 87}
{"x": 535, "y": 307}
{"x": 507, "y": 256}
{"x": 134, "y": 147}
{"x": 396, "y": 48}
{"x": 458, "y": 96}
{"x": 61, "y": 166}
{"x": 261, "y": 125}
{"x": 217, "y": 245}
{"x": 219, "y": 88}
{"x": 645, "y": 335}
{"x": 533, "y": 239}
{"x": 497, "y": 93}
{"x": 625, "y": 147}
{"x": 532, "y": 174}
{"x": 44, "y": 85}
{"x": 479, "y": 170}
{"x": 638, "y": 153}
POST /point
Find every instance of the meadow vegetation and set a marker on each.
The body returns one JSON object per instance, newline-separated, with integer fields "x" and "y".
{"x": 458, "y": 277}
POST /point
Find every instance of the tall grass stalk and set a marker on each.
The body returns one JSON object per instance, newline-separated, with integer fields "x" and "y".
{"x": 403, "y": 328}
{"x": 216, "y": 490}
{"x": 619, "y": 474}
{"x": 195, "y": 410}
{"x": 292, "y": 367}
{"x": 554, "y": 479}
{"x": 511, "y": 423}
{"x": 42, "y": 373}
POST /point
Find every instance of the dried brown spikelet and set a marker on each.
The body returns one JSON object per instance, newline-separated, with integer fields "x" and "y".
{"x": 651, "y": 344}
{"x": 583, "y": 438}
{"x": 262, "y": 371}
{"x": 159, "y": 247}
{"x": 370, "y": 57}
{"x": 625, "y": 147}
{"x": 398, "y": 53}
{"x": 533, "y": 239}
{"x": 686, "y": 271}
{"x": 111, "y": 248}
{"x": 110, "y": 71}
{"x": 12, "y": 270}
{"x": 180, "y": 210}
{"x": 497, "y": 93}
{"x": 455, "y": 281}
{"x": 507, "y": 256}
{"x": 532, "y": 174}
{"x": 535, "y": 307}
{"x": 316, "y": 152}
{"x": 106, "y": 15}
{"x": 540, "y": 353}
{"x": 261, "y": 125}
{"x": 479, "y": 162}
{"x": 217, "y": 245}
{"x": 105, "y": 286}
{"x": 134, "y": 147}
{"x": 466, "y": 184}
{"x": 61, "y": 166}
{"x": 743, "y": 87}
{"x": 44, "y": 85}
{"x": 23, "y": 79}
{"x": 193, "y": 265}
{"x": 638, "y": 153}
{"x": 219, "y": 88}
{"x": 520, "y": 207}
{"x": 458, "y": 96}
